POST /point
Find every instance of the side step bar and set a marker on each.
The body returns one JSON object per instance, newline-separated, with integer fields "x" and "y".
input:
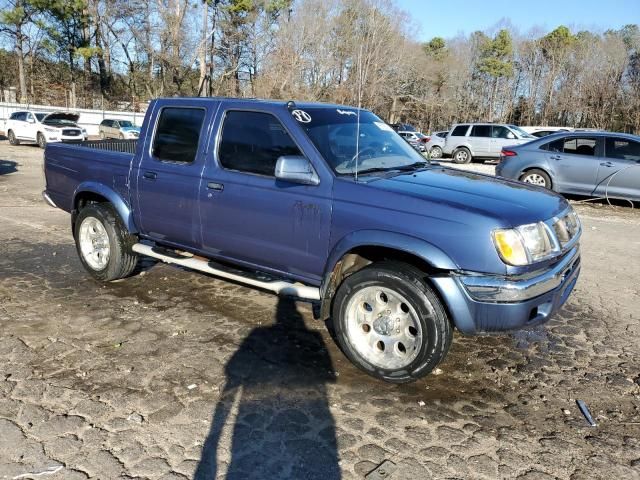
{"x": 280, "y": 287}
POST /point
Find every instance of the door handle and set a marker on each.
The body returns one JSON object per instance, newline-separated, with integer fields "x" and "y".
{"x": 607, "y": 164}
{"x": 215, "y": 186}
{"x": 555, "y": 157}
{"x": 150, "y": 175}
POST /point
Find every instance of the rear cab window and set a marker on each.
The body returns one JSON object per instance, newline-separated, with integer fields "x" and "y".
{"x": 177, "y": 134}
{"x": 460, "y": 131}
{"x": 252, "y": 142}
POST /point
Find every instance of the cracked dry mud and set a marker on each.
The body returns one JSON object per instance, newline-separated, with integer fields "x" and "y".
{"x": 173, "y": 374}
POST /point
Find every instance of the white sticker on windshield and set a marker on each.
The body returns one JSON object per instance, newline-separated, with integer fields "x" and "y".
{"x": 301, "y": 116}
{"x": 383, "y": 126}
{"x": 347, "y": 112}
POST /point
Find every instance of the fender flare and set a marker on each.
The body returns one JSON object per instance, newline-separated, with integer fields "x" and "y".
{"x": 122, "y": 207}
{"x": 428, "y": 252}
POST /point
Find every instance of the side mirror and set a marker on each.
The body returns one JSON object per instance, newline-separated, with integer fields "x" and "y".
{"x": 30, "y": 120}
{"x": 511, "y": 136}
{"x": 296, "y": 169}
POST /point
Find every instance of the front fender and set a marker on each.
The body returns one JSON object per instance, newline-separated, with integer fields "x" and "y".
{"x": 120, "y": 205}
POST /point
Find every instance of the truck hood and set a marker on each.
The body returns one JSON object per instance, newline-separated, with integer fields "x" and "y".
{"x": 512, "y": 203}
{"x": 56, "y": 117}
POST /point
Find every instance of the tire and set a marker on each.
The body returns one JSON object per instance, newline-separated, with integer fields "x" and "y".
{"x": 461, "y": 155}
{"x": 538, "y": 177}
{"x": 121, "y": 136}
{"x": 435, "y": 152}
{"x": 100, "y": 222}
{"x": 42, "y": 142}
{"x": 373, "y": 340}
{"x": 12, "y": 138}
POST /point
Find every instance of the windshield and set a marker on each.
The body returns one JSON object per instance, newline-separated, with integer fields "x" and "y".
{"x": 521, "y": 132}
{"x": 125, "y": 123}
{"x": 333, "y": 131}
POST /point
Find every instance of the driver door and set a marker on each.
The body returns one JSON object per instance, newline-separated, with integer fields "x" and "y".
{"x": 501, "y": 137}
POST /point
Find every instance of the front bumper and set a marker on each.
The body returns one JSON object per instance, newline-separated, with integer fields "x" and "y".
{"x": 487, "y": 303}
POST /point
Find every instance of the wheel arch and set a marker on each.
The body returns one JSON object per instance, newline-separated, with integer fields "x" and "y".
{"x": 92, "y": 192}
{"x": 361, "y": 248}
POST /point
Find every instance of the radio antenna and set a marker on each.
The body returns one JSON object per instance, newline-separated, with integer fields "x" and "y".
{"x": 358, "y": 113}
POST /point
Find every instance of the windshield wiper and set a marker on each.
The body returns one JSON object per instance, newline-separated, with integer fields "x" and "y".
{"x": 403, "y": 168}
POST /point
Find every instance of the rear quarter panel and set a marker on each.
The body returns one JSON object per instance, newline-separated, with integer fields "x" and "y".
{"x": 70, "y": 169}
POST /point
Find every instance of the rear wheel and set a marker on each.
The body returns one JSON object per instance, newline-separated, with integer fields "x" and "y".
{"x": 12, "y": 138}
{"x": 537, "y": 177}
{"x": 390, "y": 323}
{"x": 42, "y": 142}
{"x": 435, "y": 152}
{"x": 461, "y": 155}
{"x": 103, "y": 243}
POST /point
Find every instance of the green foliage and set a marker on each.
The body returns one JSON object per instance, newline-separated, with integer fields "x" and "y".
{"x": 435, "y": 48}
{"x": 557, "y": 42}
{"x": 496, "y": 55}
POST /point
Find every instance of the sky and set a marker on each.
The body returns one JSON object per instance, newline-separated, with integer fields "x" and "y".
{"x": 448, "y": 18}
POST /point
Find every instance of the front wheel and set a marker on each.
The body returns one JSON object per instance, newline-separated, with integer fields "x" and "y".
{"x": 536, "y": 177}
{"x": 390, "y": 323}
{"x": 103, "y": 244}
{"x": 42, "y": 142}
{"x": 461, "y": 155}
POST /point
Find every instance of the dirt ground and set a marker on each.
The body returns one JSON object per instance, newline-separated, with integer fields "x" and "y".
{"x": 173, "y": 374}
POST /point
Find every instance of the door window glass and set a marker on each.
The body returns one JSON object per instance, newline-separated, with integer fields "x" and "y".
{"x": 579, "y": 146}
{"x": 481, "y": 131}
{"x": 252, "y": 142}
{"x": 498, "y": 131}
{"x": 460, "y": 131}
{"x": 622, "y": 148}
{"x": 178, "y": 134}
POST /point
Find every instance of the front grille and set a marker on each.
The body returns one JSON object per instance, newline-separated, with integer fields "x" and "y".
{"x": 70, "y": 132}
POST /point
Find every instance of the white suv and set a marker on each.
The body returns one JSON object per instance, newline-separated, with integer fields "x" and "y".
{"x": 467, "y": 141}
{"x": 42, "y": 128}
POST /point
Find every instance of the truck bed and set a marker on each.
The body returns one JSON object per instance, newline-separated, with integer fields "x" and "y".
{"x": 99, "y": 162}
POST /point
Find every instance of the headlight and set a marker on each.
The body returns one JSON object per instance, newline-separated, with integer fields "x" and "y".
{"x": 84, "y": 130}
{"x": 47, "y": 129}
{"x": 525, "y": 244}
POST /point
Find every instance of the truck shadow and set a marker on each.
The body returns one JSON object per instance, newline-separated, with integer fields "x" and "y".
{"x": 7, "y": 167}
{"x": 276, "y": 384}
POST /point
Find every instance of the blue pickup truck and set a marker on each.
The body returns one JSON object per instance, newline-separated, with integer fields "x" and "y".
{"x": 328, "y": 204}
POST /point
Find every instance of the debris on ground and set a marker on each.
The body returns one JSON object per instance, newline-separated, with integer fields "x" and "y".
{"x": 585, "y": 411}
{"x": 382, "y": 471}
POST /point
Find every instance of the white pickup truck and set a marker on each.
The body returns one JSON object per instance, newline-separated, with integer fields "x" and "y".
{"x": 43, "y": 128}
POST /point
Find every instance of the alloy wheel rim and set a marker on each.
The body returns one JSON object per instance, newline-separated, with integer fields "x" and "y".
{"x": 383, "y": 327}
{"x": 535, "y": 179}
{"x": 94, "y": 243}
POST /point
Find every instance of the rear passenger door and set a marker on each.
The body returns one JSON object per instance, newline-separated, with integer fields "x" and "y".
{"x": 168, "y": 176}
{"x": 575, "y": 161}
{"x": 619, "y": 171}
{"x": 480, "y": 140}
{"x": 250, "y": 216}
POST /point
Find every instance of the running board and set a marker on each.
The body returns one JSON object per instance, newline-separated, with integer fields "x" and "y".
{"x": 280, "y": 287}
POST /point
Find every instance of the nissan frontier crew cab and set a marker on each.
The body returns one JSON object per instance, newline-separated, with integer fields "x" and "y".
{"x": 328, "y": 204}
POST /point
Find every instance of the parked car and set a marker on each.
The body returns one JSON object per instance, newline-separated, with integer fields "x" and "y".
{"x": 123, "y": 129}
{"x": 329, "y": 206}
{"x": 539, "y": 131}
{"x": 468, "y": 141}
{"x": 42, "y": 128}
{"x": 584, "y": 163}
{"x": 416, "y": 139}
{"x": 435, "y": 143}
{"x": 403, "y": 127}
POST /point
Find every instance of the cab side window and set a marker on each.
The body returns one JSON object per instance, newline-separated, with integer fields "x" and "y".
{"x": 252, "y": 142}
{"x": 178, "y": 134}
{"x": 499, "y": 131}
{"x": 481, "y": 131}
{"x": 460, "y": 131}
